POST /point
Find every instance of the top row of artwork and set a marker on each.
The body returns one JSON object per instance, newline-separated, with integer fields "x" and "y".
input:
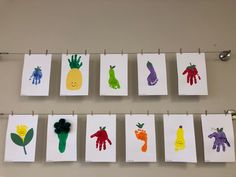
{"x": 152, "y": 78}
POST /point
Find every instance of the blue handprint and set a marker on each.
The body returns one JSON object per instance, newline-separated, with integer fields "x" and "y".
{"x": 36, "y": 75}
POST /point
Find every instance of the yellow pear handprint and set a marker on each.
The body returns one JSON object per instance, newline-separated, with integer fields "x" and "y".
{"x": 180, "y": 141}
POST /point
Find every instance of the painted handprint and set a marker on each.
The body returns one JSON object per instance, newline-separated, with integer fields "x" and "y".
{"x": 220, "y": 139}
{"x": 141, "y": 134}
{"x": 102, "y": 137}
{"x": 152, "y": 77}
{"x": 192, "y": 74}
{"x": 180, "y": 141}
{"x": 113, "y": 82}
{"x": 36, "y": 75}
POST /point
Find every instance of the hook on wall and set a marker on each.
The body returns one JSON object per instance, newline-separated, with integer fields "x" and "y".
{"x": 225, "y": 55}
{"x": 199, "y": 50}
{"x": 232, "y": 112}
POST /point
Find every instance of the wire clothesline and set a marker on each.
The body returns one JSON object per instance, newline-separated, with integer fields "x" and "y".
{"x": 105, "y": 52}
{"x": 116, "y": 113}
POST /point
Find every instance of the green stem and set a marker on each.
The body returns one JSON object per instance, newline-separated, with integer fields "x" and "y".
{"x": 62, "y": 141}
{"x": 24, "y": 150}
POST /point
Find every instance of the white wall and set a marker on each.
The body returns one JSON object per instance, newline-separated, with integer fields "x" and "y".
{"x": 115, "y": 25}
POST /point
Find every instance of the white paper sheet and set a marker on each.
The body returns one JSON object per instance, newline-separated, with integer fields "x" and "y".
{"x": 55, "y": 151}
{"x": 21, "y": 128}
{"x": 114, "y": 75}
{"x": 75, "y": 80}
{"x": 140, "y": 138}
{"x": 101, "y": 138}
{"x": 217, "y": 130}
{"x": 36, "y": 75}
{"x": 152, "y": 79}
{"x": 179, "y": 138}
{"x": 192, "y": 77}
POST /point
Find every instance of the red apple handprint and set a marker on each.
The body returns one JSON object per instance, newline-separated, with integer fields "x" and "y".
{"x": 102, "y": 137}
{"x": 192, "y": 74}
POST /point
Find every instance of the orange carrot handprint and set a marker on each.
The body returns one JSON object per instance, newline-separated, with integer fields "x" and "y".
{"x": 141, "y": 135}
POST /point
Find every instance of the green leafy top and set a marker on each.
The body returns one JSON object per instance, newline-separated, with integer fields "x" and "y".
{"x": 140, "y": 125}
{"x": 149, "y": 64}
{"x": 112, "y": 67}
{"x": 191, "y": 67}
{"x": 37, "y": 68}
{"x": 219, "y": 129}
{"x": 102, "y": 128}
{"x": 75, "y": 62}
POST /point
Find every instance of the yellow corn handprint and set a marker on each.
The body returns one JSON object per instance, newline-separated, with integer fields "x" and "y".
{"x": 180, "y": 141}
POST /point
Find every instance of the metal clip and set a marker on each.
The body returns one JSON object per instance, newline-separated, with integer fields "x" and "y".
{"x": 122, "y": 52}
{"x": 142, "y": 51}
{"x": 73, "y": 113}
{"x": 147, "y": 112}
{"x": 199, "y": 51}
{"x": 46, "y": 51}
{"x": 159, "y": 51}
{"x": 67, "y": 52}
{"x": 32, "y": 113}
{"x": 168, "y": 112}
{"x": 29, "y": 51}
{"x": 225, "y": 112}
{"x": 52, "y": 113}
{"x": 4, "y": 53}
{"x": 206, "y": 112}
{"x": 105, "y": 52}
{"x": 130, "y": 113}
{"x": 180, "y": 51}
{"x": 109, "y": 112}
{"x": 187, "y": 113}
{"x": 12, "y": 113}
{"x": 85, "y": 52}
{"x": 91, "y": 113}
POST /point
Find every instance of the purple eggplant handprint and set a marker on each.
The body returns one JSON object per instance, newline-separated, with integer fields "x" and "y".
{"x": 152, "y": 77}
{"x": 220, "y": 139}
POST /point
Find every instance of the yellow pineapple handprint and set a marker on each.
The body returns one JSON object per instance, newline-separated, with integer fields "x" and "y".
{"x": 74, "y": 77}
{"x": 180, "y": 141}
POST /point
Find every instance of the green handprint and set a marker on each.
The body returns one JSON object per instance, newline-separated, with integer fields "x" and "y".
{"x": 113, "y": 82}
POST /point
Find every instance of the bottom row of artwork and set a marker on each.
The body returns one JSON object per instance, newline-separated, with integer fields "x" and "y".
{"x": 140, "y": 138}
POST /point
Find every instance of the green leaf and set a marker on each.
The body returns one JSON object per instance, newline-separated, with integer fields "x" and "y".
{"x": 17, "y": 139}
{"x": 139, "y": 125}
{"x": 28, "y": 137}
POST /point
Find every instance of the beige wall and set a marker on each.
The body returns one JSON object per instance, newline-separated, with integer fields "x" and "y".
{"x": 125, "y": 24}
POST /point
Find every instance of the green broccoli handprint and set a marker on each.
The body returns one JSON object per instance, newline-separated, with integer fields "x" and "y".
{"x": 62, "y": 129}
{"x": 113, "y": 82}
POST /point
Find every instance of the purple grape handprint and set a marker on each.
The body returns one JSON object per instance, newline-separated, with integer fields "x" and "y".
{"x": 220, "y": 139}
{"x": 152, "y": 77}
